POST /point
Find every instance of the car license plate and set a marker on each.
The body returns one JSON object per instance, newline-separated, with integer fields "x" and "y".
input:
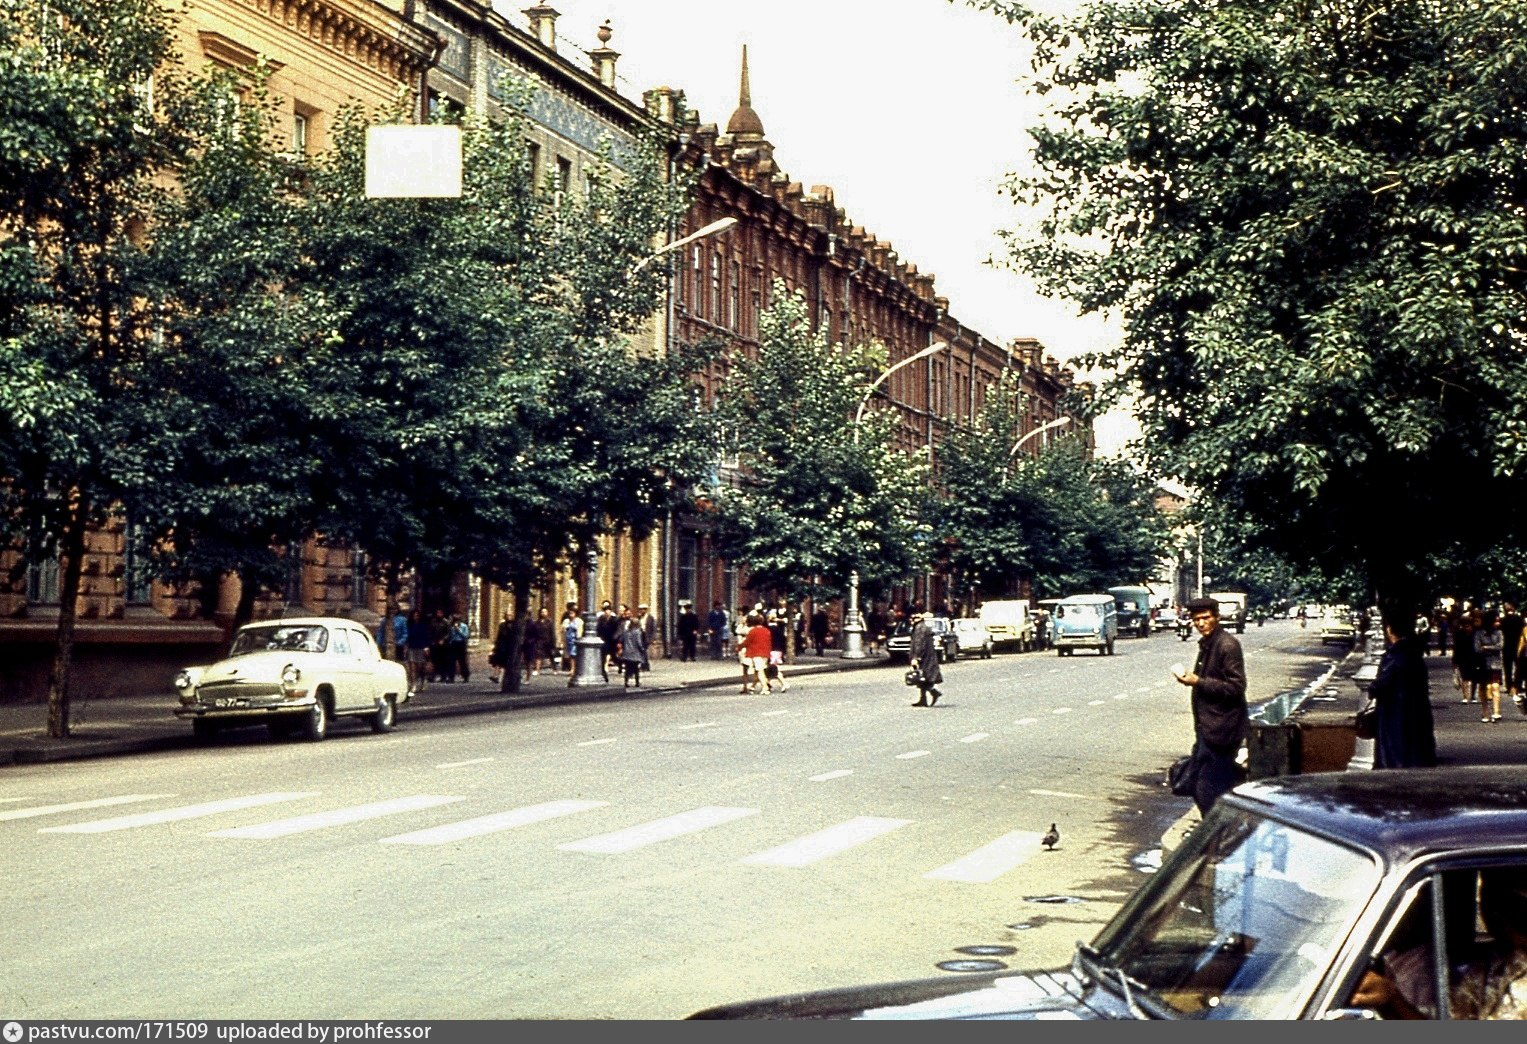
{"x": 231, "y": 701}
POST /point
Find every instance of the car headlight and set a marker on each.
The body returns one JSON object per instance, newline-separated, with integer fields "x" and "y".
{"x": 185, "y": 685}
{"x": 290, "y": 678}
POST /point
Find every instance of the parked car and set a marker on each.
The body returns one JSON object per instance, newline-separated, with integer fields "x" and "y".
{"x": 1291, "y": 893}
{"x": 899, "y": 643}
{"x": 1336, "y": 625}
{"x": 1010, "y": 624}
{"x": 973, "y": 638}
{"x": 1085, "y": 621}
{"x": 1134, "y": 606}
{"x": 294, "y": 676}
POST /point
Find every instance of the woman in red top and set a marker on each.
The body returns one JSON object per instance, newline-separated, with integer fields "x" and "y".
{"x": 754, "y": 653}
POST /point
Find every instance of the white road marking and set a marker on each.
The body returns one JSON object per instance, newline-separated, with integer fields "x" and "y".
{"x": 1096, "y": 703}
{"x": 1054, "y": 670}
{"x": 913, "y": 754}
{"x": 1144, "y": 688}
{"x": 836, "y": 774}
{"x": 337, "y": 817}
{"x": 492, "y": 824}
{"x": 699, "y": 725}
{"x": 171, "y": 815}
{"x": 770, "y": 714}
{"x": 659, "y": 830}
{"x": 1121, "y": 696}
{"x": 461, "y": 764}
{"x": 1025, "y": 721}
{"x": 974, "y": 737}
{"x": 595, "y": 743}
{"x": 12, "y": 801}
{"x": 1061, "y": 710}
{"x": 75, "y": 806}
{"x": 806, "y": 850}
{"x": 990, "y": 862}
{"x": 1057, "y": 793}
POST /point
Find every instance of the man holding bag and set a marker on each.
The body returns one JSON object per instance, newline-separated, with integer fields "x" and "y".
{"x": 1220, "y": 714}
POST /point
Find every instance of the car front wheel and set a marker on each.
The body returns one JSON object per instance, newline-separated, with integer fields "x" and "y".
{"x": 205, "y": 731}
{"x": 316, "y": 725}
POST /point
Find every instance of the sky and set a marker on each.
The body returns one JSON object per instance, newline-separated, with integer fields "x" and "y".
{"x": 910, "y": 110}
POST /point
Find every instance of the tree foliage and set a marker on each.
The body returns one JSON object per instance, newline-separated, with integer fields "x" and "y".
{"x": 814, "y": 497}
{"x": 1061, "y": 521}
{"x": 1309, "y": 214}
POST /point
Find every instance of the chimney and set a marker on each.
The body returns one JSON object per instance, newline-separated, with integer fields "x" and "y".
{"x": 543, "y": 23}
{"x": 604, "y": 58}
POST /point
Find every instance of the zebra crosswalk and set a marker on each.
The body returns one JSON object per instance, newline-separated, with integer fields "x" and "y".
{"x": 823, "y": 844}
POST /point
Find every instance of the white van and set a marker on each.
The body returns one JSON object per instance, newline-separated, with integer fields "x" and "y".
{"x": 1009, "y": 624}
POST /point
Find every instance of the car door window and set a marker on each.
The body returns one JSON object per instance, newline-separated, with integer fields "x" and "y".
{"x": 340, "y": 642}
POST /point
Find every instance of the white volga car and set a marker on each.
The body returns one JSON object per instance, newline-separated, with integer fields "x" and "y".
{"x": 294, "y": 676}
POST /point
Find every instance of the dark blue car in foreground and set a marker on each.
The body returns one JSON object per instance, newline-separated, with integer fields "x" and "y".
{"x": 1326, "y": 896}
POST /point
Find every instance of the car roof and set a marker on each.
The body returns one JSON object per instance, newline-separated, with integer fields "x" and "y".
{"x": 306, "y": 621}
{"x": 1086, "y": 599}
{"x": 1402, "y": 813}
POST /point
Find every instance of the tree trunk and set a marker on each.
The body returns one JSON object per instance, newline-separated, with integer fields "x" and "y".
{"x": 249, "y": 592}
{"x": 511, "y": 682}
{"x": 72, "y": 551}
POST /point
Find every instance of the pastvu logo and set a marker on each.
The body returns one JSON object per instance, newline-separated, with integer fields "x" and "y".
{"x": 12, "y": 1032}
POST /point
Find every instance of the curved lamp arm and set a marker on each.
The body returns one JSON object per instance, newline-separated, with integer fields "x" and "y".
{"x": 936, "y": 346}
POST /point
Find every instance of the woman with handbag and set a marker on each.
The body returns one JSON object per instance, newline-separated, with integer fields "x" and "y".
{"x": 1403, "y": 733}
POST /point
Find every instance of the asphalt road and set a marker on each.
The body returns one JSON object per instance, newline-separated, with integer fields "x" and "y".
{"x": 624, "y": 860}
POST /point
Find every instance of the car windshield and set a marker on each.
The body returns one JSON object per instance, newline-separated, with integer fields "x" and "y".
{"x": 1241, "y": 922}
{"x": 1078, "y": 612}
{"x": 308, "y": 638}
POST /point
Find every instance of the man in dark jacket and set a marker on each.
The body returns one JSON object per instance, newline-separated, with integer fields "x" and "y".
{"x": 923, "y": 654}
{"x": 1220, "y": 716}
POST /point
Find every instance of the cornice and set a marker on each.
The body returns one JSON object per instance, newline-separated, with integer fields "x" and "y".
{"x": 359, "y": 30}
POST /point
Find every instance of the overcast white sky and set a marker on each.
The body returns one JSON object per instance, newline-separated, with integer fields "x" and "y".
{"x": 909, "y": 109}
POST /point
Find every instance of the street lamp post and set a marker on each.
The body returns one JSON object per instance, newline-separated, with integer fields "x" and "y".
{"x": 590, "y": 649}
{"x": 853, "y": 620}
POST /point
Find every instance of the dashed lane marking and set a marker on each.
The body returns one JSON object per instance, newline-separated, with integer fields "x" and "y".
{"x": 699, "y": 725}
{"x": 1057, "y": 793}
{"x": 172, "y": 815}
{"x": 913, "y": 754}
{"x": 337, "y": 817}
{"x": 991, "y": 861}
{"x": 974, "y": 737}
{"x": 493, "y": 824}
{"x": 75, "y": 806}
{"x": 658, "y": 830}
{"x": 596, "y": 743}
{"x": 835, "y": 774}
{"x": 1025, "y": 721}
{"x": 1061, "y": 710}
{"x": 462, "y": 764}
{"x": 814, "y": 847}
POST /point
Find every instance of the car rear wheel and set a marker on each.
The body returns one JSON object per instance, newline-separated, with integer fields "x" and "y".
{"x": 386, "y": 715}
{"x": 316, "y": 725}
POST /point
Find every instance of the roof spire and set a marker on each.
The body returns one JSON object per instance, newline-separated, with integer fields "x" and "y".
{"x": 745, "y": 122}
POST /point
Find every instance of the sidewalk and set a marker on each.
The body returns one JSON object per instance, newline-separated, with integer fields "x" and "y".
{"x": 145, "y": 723}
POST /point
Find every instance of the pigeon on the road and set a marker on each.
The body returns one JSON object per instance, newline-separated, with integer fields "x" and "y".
{"x": 1051, "y": 839}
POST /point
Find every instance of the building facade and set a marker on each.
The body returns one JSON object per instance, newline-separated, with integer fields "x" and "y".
{"x": 133, "y": 633}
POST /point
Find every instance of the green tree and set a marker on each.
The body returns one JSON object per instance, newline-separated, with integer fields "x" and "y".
{"x": 1309, "y": 215}
{"x": 814, "y": 497}
{"x": 494, "y": 414}
{"x": 238, "y": 350}
{"x": 81, "y": 426}
{"x": 1061, "y": 521}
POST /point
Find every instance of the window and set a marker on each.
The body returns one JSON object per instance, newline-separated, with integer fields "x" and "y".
{"x": 42, "y": 581}
{"x": 689, "y": 558}
{"x": 734, "y": 309}
{"x": 715, "y": 287}
{"x": 299, "y": 134}
{"x": 137, "y": 579}
{"x": 564, "y": 175}
{"x": 360, "y": 583}
{"x": 293, "y": 591}
{"x": 533, "y": 162}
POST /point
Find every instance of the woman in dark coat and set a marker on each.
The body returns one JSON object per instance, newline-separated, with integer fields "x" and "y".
{"x": 1402, "y": 696}
{"x": 922, "y": 651}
